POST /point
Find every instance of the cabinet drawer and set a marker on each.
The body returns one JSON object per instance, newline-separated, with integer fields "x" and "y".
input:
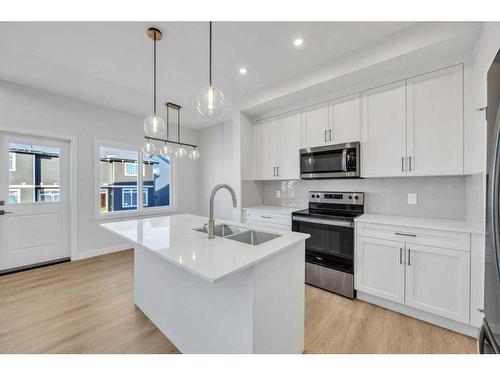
{"x": 428, "y": 237}
{"x": 267, "y": 218}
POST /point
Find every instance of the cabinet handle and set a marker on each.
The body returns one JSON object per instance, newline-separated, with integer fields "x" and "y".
{"x": 265, "y": 217}
{"x": 402, "y": 163}
{"x": 330, "y": 134}
{"x": 278, "y": 171}
{"x": 400, "y": 255}
{"x": 274, "y": 171}
{"x": 409, "y": 160}
{"x": 325, "y": 137}
{"x": 409, "y": 257}
{"x": 405, "y": 234}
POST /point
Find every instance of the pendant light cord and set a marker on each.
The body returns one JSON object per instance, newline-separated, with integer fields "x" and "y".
{"x": 154, "y": 74}
{"x": 210, "y": 57}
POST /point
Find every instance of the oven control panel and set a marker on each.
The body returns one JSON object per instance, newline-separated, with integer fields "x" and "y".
{"x": 336, "y": 197}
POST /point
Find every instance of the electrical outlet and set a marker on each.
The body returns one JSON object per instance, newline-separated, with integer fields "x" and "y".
{"x": 412, "y": 198}
{"x": 278, "y": 193}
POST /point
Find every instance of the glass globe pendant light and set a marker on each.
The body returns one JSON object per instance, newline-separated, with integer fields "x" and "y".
{"x": 210, "y": 99}
{"x": 154, "y": 126}
{"x": 194, "y": 154}
{"x": 166, "y": 150}
{"x": 148, "y": 148}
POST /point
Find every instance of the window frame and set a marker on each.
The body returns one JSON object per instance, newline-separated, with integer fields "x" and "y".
{"x": 48, "y": 189}
{"x": 141, "y": 209}
{"x": 125, "y": 172}
{"x": 18, "y": 191}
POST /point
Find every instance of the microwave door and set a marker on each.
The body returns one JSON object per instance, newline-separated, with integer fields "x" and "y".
{"x": 322, "y": 163}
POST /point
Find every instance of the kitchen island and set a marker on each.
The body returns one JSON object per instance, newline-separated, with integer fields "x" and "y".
{"x": 221, "y": 295}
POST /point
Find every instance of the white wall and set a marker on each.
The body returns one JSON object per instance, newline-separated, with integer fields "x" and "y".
{"x": 216, "y": 166}
{"x": 28, "y": 109}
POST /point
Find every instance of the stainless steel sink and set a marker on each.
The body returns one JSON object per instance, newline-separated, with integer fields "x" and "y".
{"x": 253, "y": 237}
{"x": 223, "y": 230}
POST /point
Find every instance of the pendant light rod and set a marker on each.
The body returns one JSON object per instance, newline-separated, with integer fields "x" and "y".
{"x": 167, "y": 141}
{"x": 210, "y": 56}
{"x": 155, "y": 35}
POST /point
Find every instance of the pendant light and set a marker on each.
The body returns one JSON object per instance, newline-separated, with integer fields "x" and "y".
{"x": 210, "y": 99}
{"x": 154, "y": 126}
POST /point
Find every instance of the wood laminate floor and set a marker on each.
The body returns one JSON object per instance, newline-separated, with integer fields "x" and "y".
{"x": 87, "y": 307}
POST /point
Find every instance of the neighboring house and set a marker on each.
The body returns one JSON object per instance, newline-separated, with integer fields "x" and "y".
{"x": 119, "y": 183}
{"x": 33, "y": 174}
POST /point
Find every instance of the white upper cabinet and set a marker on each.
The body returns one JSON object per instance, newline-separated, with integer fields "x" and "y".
{"x": 316, "y": 125}
{"x": 383, "y": 135}
{"x": 345, "y": 119}
{"x": 435, "y": 123}
{"x": 437, "y": 281}
{"x": 266, "y": 150}
{"x": 289, "y": 147}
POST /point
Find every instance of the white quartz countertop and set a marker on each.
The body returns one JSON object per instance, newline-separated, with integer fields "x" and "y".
{"x": 173, "y": 239}
{"x": 275, "y": 209}
{"x": 421, "y": 222}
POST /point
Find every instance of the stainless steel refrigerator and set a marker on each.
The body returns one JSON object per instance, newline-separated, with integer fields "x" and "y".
{"x": 489, "y": 336}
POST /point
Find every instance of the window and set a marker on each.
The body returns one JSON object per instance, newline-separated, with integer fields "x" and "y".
{"x": 130, "y": 169}
{"x": 14, "y": 196}
{"x": 48, "y": 195}
{"x": 12, "y": 162}
{"x": 34, "y": 172}
{"x": 119, "y": 180}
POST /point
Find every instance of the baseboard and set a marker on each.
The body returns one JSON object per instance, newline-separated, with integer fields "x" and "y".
{"x": 102, "y": 251}
{"x": 452, "y": 325}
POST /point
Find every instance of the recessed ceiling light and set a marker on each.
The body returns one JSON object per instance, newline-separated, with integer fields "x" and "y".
{"x": 243, "y": 71}
{"x": 298, "y": 42}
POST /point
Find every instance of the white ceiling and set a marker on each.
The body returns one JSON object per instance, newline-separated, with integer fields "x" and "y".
{"x": 111, "y": 63}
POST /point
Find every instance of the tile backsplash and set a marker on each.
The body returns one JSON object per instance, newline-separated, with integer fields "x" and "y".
{"x": 437, "y": 197}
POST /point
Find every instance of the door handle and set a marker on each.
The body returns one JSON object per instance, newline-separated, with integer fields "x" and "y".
{"x": 400, "y": 255}
{"x": 409, "y": 162}
{"x": 277, "y": 171}
{"x": 402, "y": 163}
{"x": 330, "y": 134}
{"x": 325, "y": 137}
{"x": 3, "y": 212}
{"x": 274, "y": 171}
{"x": 409, "y": 257}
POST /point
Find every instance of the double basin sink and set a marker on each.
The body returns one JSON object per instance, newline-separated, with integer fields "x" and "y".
{"x": 240, "y": 234}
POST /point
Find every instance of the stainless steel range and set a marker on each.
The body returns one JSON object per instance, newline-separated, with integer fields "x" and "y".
{"x": 330, "y": 249}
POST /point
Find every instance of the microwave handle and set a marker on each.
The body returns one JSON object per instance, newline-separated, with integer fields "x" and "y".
{"x": 344, "y": 160}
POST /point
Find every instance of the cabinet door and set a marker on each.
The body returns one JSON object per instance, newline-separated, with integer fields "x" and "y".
{"x": 437, "y": 281}
{"x": 345, "y": 119}
{"x": 435, "y": 123}
{"x": 266, "y": 149}
{"x": 289, "y": 147}
{"x": 380, "y": 268}
{"x": 316, "y": 124}
{"x": 383, "y": 137}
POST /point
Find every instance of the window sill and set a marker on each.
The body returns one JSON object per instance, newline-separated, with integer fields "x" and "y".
{"x": 152, "y": 211}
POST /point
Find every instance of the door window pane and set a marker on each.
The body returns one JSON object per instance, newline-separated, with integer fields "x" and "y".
{"x": 157, "y": 181}
{"x": 33, "y": 173}
{"x": 118, "y": 179}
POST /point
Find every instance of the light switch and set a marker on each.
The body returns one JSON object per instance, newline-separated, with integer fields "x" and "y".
{"x": 412, "y": 198}
{"x": 278, "y": 193}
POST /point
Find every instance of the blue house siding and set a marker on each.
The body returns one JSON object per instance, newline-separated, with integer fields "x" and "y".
{"x": 155, "y": 198}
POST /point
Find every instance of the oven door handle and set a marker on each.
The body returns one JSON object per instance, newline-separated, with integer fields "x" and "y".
{"x": 336, "y": 223}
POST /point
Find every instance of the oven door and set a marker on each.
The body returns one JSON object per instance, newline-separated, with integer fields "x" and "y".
{"x": 331, "y": 243}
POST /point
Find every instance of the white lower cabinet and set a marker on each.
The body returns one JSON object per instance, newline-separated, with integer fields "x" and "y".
{"x": 428, "y": 278}
{"x": 437, "y": 281}
{"x": 379, "y": 268}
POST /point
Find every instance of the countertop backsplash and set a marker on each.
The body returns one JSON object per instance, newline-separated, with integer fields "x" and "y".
{"x": 437, "y": 197}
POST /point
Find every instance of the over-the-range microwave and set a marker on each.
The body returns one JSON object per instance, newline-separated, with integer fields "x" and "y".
{"x": 333, "y": 161}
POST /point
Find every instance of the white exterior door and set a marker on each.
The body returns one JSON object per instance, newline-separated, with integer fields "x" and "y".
{"x": 316, "y": 125}
{"x": 383, "y": 136}
{"x": 345, "y": 119}
{"x": 266, "y": 147}
{"x": 380, "y": 268}
{"x": 437, "y": 281}
{"x": 289, "y": 147}
{"x": 34, "y": 185}
{"x": 435, "y": 123}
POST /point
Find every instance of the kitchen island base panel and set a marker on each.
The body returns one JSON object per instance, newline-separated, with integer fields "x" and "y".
{"x": 257, "y": 310}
